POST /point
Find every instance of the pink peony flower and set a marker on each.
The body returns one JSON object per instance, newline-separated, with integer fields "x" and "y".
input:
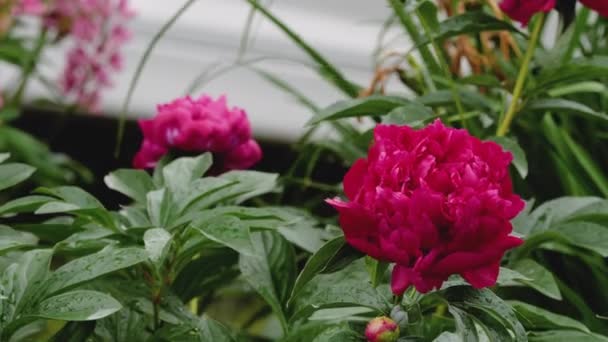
{"x": 29, "y": 7}
{"x": 435, "y": 201}
{"x": 523, "y": 10}
{"x": 98, "y": 29}
{"x": 382, "y": 329}
{"x": 600, "y": 6}
{"x": 201, "y": 125}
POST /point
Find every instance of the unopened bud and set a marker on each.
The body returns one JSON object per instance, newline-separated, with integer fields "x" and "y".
{"x": 382, "y": 329}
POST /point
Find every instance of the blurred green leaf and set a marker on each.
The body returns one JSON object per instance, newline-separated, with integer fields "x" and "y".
{"x": 157, "y": 242}
{"x": 535, "y": 318}
{"x": 13, "y": 174}
{"x": 564, "y": 106}
{"x": 539, "y": 278}
{"x": 10, "y": 239}
{"x": 413, "y": 115}
{"x": 375, "y": 105}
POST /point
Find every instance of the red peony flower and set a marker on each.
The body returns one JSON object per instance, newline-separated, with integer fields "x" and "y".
{"x": 523, "y": 10}
{"x": 201, "y": 125}
{"x": 600, "y": 6}
{"x": 435, "y": 201}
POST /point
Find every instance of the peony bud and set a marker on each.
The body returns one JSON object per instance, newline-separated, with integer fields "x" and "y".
{"x": 382, "y": 329}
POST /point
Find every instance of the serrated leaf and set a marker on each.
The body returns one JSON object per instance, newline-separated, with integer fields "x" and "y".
{"x": 132, "y": 183}
{"x": 80, "y": 305}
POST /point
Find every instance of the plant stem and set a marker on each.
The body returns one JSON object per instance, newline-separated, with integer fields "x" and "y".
{"x": 445, "y": 69}
{"x": 29, "y": 67}
{"x": 413, "y": 32}
{"x": 503, "y": 128}
{"x": 139, "y": 70}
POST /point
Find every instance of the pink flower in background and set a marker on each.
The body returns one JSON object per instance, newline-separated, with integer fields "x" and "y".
{"x": 523, "y": 10}
{"x": 29, "y": 7}
{"x": 199, "y": 125}
{"x": 435, "y": 201}
{"x": 98, "y": 29}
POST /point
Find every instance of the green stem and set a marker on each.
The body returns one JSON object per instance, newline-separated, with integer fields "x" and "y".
{"x": 414, "y": 33}
{"x": 445, "y": 69}
{"x": 139, "y": 70}
{"x": 503, "y": 128}
{"x": 29, "y": 67}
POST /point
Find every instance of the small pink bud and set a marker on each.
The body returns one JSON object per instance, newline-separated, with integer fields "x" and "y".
{"x": 382, "y": 329}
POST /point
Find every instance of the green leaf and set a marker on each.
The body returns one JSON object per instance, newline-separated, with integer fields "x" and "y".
{"x": 24, "y": 204}
{"x": 14, "y": 173}
{"x": 566, "y": 336}
{"x": 195, "y": 199}
{"x": 446, "y": 97}
{"x": 580, "y": 87}
{"x": 326, "y": 69}
{"x": 159, "y": 207}
{"x": 250, "y": 184}
{"x": 468, "y": 23}
{"x": 132, "y": 183}
{"x": 564, "y": 106}
{"x": 271, "y": 271}
{"x": 447, "y": 336}
{"x": 4, "y": 157}
{"x": 489, "y": 303}
{"x": 349, "y": 287}
{"x": 23, "y": 280}
{"x": 465, "y": 326}
{"x": 180, "y": 173}
{"x": 412, "y": 114}
{"x": 582, "y": 69}
{"x": 93, "y": 266}
{"x": 80, "y": 305}
{"x": 157, "y": 243}
{"x": 534, "y": 318}
{"x": 318, "y": 262}
{"x": 342, "y": 314}
{"x": 586, "y": 235}
{"x": 77, "y": 201}
{"x": 588, "y": 164}
{"x": 377, "y": 270}
{"x": 539, "y": 277}
{"x": 10, "y": 239}
{"x": 228, "y": 231}
{"x": 375, "y": 105}
{"x": 519, "y": 156}
{"x": 558, "y": 210}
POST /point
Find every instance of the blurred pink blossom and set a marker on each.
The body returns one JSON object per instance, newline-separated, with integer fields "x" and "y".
{"x": 99, "y": 31}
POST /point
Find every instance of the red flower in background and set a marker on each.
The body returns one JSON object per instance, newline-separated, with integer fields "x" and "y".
{"x": 201, "y": 125}
{"x": 435, "y": 201}
{"x": 523, "y": 10}
{"x": 600, "y": 6}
